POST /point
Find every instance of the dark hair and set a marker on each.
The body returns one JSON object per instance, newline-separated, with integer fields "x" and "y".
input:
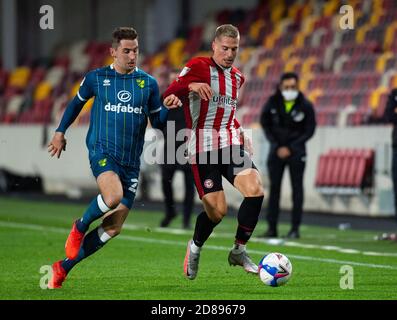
{"x": 289, "y": 75}
{"x": 123, "y": 33}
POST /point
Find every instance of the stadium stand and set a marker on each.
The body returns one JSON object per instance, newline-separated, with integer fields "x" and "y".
{"x": 346, "y": 73}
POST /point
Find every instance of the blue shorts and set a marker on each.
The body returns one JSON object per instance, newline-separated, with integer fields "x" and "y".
{"x": 128, "y": 175}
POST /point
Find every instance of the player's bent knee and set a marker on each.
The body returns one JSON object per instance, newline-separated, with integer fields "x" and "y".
{"x": 216, "y": 208}
{"x": 219, "y": 216}
{"x": 216, "y": 215}
{"x": 112, "y": 201}
{"x": 254, "y": 190}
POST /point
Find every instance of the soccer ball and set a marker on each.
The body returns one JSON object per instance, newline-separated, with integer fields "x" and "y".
{"x": 275, "y": 269}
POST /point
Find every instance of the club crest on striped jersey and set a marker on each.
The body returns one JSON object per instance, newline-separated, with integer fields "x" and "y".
{"x": 140, "y": 83}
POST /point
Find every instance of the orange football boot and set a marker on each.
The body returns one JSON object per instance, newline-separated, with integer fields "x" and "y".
{"x": 58, "y": 276}
{"x": 73, "y": 242}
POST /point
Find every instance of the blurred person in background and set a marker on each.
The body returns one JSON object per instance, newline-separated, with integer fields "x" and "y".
{"x": 288, "y": 120}
{"x": 175, "y": 123}
{"x": 125, "y": 97}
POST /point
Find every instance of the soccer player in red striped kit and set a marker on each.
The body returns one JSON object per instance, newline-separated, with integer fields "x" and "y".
{"x": 208, "y": 88}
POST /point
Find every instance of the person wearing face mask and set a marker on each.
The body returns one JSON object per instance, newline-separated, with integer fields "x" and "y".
{"x": 288, "y": 120}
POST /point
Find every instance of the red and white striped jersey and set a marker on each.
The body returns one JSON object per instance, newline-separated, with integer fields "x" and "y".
{"x": 213, "y": 124}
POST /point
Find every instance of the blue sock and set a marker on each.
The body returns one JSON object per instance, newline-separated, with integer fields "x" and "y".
{"x": 96, "y": 209}
{"x": 92, "y": 242}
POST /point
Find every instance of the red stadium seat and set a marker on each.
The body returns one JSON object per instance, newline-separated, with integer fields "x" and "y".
{"x": 345, "y": 171}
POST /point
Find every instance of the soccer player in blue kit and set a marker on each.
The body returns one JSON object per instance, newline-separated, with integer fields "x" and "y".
{"x": 125, "y": 97}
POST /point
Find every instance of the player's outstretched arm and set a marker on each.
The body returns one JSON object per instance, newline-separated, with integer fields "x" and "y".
{"x": 57, "y": 144}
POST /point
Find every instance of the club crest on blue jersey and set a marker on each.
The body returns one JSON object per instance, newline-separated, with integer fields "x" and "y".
{"x": 103, "y": 162}
{"x": 140, "y": 83}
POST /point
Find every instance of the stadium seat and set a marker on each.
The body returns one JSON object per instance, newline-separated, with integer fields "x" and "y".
{"x": 345, "y": 171}
{"x": 13, "y": 108}
{"x": 42, "y": 91}
{"x": 55, "y": 75}
{"x": 19, "y": 77}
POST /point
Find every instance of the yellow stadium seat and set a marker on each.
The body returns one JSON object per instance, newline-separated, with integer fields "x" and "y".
{"x": 308, "y": 9}
{"x": 175, "y": 52}
{"x": 314, "y": 94}
{"x": 361, "y": 32}
{"x": 390, "y": 35}
{"x": 19, "y": 77}
{"x": 158, "y": 60}
{"x": 286, "y": 52}
{"x": 331, "y": 7}
{"x": 270, "y": 40}
{"x": 376, "y": 14}
{"x": 304, "y": 80}
{"x": 307, "y": 64}
{"x": 299, "y": 39}
{"x": 277, "y": 11}
{"x": 245, "y": 54}
{"x": 291, "y": 63}
{"x": 375, "y": 97}
{"x": 382, "y": 61}
{"x": 262, "y": 68}
{"x": 42, "y": 91}
{"x": 293, "y": 10}
{"x": 256, "y": 28}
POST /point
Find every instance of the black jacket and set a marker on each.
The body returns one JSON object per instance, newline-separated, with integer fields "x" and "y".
{"x": 390, "y": 114}
{"x": 291, "y": 129}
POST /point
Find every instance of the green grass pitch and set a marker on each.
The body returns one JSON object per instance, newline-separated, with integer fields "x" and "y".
{"x": 145, "y": 262}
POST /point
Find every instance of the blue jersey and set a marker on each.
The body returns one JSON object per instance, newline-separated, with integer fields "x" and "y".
{"x": 122, "y": 105}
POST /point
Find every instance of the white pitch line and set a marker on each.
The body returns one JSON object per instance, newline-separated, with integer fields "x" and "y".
{"x": 274, "y": 241}
{"x": 42, "y": 228}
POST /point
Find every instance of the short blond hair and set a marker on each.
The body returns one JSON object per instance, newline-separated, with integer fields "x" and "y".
{"x": 227, "y": 30}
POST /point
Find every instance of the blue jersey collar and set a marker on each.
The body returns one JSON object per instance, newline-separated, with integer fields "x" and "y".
{"x": 112, "y": 67}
